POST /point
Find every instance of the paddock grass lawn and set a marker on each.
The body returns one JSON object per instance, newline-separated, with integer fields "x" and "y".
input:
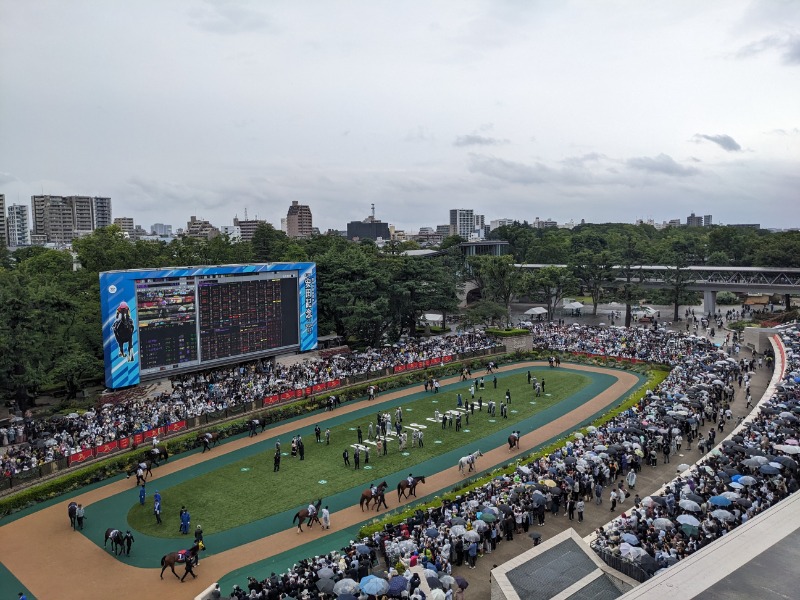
{"x": 248, "y": 490}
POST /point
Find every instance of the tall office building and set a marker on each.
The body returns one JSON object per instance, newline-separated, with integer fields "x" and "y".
{"x": 82, "y": 210}
{"x": 3, "y": 231}
{"x": 707, "y": 220}
{"x": 693, "y": 221}
{"x": 462, "y": 222}
{"x": 161, "y": 230}
{"x": 18, "y": 226}
{"x": 102, "y": 212}
{"x": 298, "y": 221}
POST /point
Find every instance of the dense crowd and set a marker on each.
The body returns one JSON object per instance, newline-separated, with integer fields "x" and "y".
{"x": 598, "y": 471}
{"x": 31, "y": 442}
{"x": 752, "y": 471}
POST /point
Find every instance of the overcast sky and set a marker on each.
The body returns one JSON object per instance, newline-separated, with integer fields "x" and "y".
{"x": 607, "y": 111}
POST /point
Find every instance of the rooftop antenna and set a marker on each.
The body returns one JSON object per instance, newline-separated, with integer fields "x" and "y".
{"x": 373, "y": 210}
{"x": 245, "y": 213}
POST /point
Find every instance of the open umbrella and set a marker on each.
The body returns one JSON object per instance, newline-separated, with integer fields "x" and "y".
{"x": 458, "y": 521}
{"x": 722, "y": 515}
{"x": 478, "y": 526}
{"x": 683, "y": 467}
{"x": 689, "y": 505}
{"x": 397, "y": 585}
{"x": 472, "y": 536}
{"x": 688, "y": 520}
{"x": 629, "y": 538}
{"x": 769, "y": 470}
{"x": 325, "y": 585}
{"x": 432, "y": 532}
{"x": 694, "y": 498}
{"x": 664, "y": 524}
{"x": 446, "y": 580}
{"x": 719, "y": 501}
{"x": 362, "y": 549}
{"x": 488, "y": 517}
{"x": 325, "y": 573}
{"x": 461, "y": 582}
{"x": 374, "y": 585}
{"x": 747, "y": 481}
{"x": 346, "y": 597}
{"x": 345, "y": 586}
{"x": 433, "y": 582}
{"x": 458, "y": 530}
{"x": 437, "y": 594}
{"x": 535, "y": 536}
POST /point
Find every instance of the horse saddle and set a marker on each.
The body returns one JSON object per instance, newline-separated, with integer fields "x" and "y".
{"x": 182, "y": 556}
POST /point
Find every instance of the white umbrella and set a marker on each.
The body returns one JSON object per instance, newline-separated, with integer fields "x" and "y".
{"x": 472, "y": 536}
{"x": 346, "y": 586}
{"x": 437, "y": 594}
{"x": 458, "y": 530}
{"x": 689, "y": 505}
{"x": 688, "y": 520}
{"x": 722, "y": 515}
{"x": 664, "y": 524}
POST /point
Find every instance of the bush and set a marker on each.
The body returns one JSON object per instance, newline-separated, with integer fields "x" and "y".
{"x": 507, "y": 332}
{"x": 727, "y": 298}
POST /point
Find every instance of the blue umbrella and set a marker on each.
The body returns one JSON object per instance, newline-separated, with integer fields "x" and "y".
{"x": 719, "y": 501}
{"x": 630, "y": 539}
{"x": 769, "y": 470}
{"x": 432, "y": 532}
{"x": 373, "y": 585}
{"x": 362, "y": 549}
{"x": 397, "y": 585}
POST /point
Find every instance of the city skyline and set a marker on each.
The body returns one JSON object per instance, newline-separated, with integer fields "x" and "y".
{"x": 563, "y": 111}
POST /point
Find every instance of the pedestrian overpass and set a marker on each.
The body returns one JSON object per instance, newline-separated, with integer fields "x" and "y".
{"x": 709, "y": 280}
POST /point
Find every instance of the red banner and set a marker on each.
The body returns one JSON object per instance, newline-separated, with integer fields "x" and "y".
{"x": 106, "y": 448}
{"x": 436, "y": 361}
{"x": 447, "y": 359}
{"x": 177, "y": 426}
{"x": 399, "y": 368}
{"x": 150, "y": 434}
{"x": 138, "y": 438}
{"x": 318, "y": 387}
{"x": 299, "y": 393}
{"x": 271, "y": 399}
{"x": 80, "y": 456}
{"x": 287, "y": 395}
{"x": 125, "y": 443}
{"x": 334, "y": 384}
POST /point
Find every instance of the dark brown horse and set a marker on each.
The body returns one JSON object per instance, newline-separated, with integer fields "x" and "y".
{"x": 379, "y": 498}
{"x": 158, "y": 454}
{"x": 406, "y": 490}
{"x": 303, "y": 514}
{"x": 513, "y": 441}
{"x": 209, "y": 440}
{"x": 180, "y": 557}
{"x": 117, "y": 540}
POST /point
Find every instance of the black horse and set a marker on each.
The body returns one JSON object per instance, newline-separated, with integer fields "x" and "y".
{"x": 157, "y": 454}
{"x": 117, "y": 540}
{"x": 123, "y": 331}
{"x": 72, "y": 513}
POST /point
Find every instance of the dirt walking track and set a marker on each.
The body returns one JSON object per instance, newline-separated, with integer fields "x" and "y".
{"x": 53, "y": 562}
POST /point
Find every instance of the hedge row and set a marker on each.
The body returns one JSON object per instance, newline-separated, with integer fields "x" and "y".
{"x": 655, "y": 375}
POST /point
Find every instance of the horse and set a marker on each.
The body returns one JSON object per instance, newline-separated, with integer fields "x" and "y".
{"x": 303, "y": 514}
{"x": 405, "y": 490}
{"x": 469, "y": 461}
{"x": 158, "y": 453}
{"x": 72, "y": 513}
{"x": 209, "y": 440}
{"x": 367, "y": 497}
{"x": 513, "y": 441}
{"x": 123, "y": 331}
{"x": 179, "y": 557}
{"x": 117, "y": 540}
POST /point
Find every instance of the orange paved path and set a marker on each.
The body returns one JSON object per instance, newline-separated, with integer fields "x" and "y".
{"x": 54, "y": 563}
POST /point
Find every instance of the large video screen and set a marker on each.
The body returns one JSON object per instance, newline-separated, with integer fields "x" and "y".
{"x": 164, "y": 321}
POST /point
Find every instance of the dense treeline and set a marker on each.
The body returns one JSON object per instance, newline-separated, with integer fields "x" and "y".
{"x": 50, "y": 315}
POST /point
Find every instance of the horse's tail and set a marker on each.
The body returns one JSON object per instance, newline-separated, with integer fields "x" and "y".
{"x": 296, "y": 517}
{"x": 164, "y": 453}
{"x": 163, "y": 560}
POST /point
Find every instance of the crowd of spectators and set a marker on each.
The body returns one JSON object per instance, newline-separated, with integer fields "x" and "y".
{"x": 30, "y": 442}
{"x": 598, "y": 471}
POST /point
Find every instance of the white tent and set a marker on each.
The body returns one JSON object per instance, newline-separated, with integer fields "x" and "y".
{"x": 536, "y": 310}
{"x": 433, "y": 318}
{"x": 573, "y": 306}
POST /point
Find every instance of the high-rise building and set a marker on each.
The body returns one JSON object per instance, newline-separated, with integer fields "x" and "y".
{"x": 497, "y": 223}
{"x": 299, "y": 221}
{"x": 102, "y": 212}
{"x": 60, "y": 219}
{"x": 543, "y": 223}
{"x": 247, "y": 227}
{"x": 462, "y": 222}
{"x": 3, "y": 231}
{"x": 707, "y": 221}
{"x": 126, "y": 224}
{"x": 17, "y": 225}
{"x": 197, "y": 228}
{"x": 693, "y": 221}
{"x": 161, "y": 230}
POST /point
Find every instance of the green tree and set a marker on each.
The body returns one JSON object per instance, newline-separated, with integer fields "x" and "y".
{"x": 268, "y": 243}
{"x": 485, "y": 312}
{"x": 595, "y": 271}
{"x": 450, "y": 241}
{"x": 549, "y": 285}
{"x": 629, "y": 259}
{"x": 496, "y": 276}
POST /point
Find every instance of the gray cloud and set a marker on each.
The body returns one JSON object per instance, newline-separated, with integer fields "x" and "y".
{"x": 722, "y": 140}
{"x": 663, "y": 164}
{"x": 787, "y": 45}
{"x": 507, "y": 170}
{"x": 230, "y": 18}
{"x": 478, "y": 140}
{"x": 7, "y": 178}
{"x": 580, "y": 161}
